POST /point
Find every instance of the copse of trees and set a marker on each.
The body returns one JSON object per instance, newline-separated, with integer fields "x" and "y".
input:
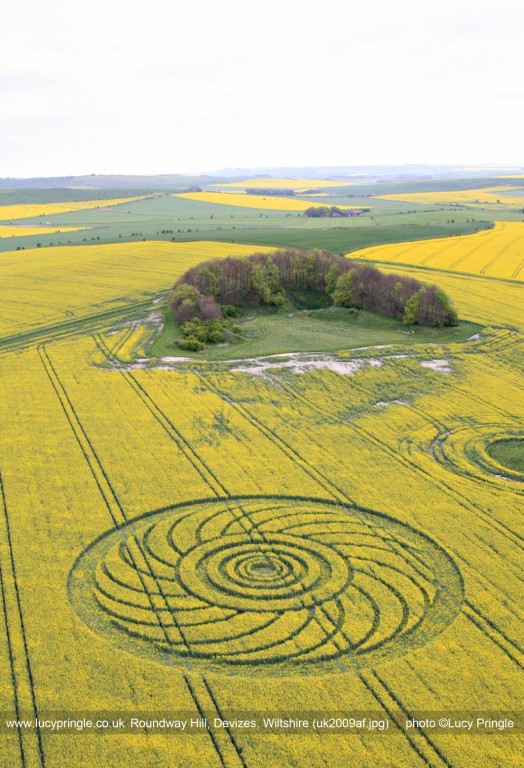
{"x": 260, "y": 278}
{"x": 391, "y": 295}
{"x": 201, "y": 318}
{"x": 211, "y": 292}
{"x": 320, "y": 211}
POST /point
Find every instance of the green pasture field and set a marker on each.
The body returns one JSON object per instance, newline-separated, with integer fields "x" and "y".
{"x": 62, "y": 194}
{"x": 166, "y": 218}
{"x": 390, "y": 187}
{"x": 433, "y": 185}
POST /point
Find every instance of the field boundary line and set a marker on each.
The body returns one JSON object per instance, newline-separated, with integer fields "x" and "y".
{"x": 446, "y": 272}
{"x": 439, "y": 761}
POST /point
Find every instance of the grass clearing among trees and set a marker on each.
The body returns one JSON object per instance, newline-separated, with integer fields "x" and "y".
{"x": 291, "y": 329}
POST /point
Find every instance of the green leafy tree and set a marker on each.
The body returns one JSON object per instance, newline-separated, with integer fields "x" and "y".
{"x": 211, "y": 278}
{"x": 344, "y": 293}
{"x": 447, "y": 307}
{"x": 332, "y": 276}
{"x": 412, "y": 308}
{"x": 265, "y": 279}
{"x": 195, "y": 328}
{"x": 183, "y": 292}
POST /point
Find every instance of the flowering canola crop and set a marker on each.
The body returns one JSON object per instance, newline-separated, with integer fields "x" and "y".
{"x": 18, "y": 231}
{"x": 186, "y": 538}
{"x": 241, "y": 200}
{"x": 68, "y": 283}
{"x": 497, "y": 252}
{"x": 34, "y": 210}
{"x": 494, "y": 196}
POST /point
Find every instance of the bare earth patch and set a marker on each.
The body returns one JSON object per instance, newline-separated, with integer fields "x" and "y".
{"x": 441, "y": 366}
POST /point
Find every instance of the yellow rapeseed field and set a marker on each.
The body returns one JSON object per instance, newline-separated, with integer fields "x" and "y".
{"x": 488, "y": 301}
{"x": 253, "y": 201}
{"x": 271, "y": 183}
{"x": 184, "y": 540}
{"x": 69, "y": 282}
{"x": 18, "y": 231}
{"x": 33, "y": 210}
{"x": 497, "y": 252}
{"x": 493, "y": 196}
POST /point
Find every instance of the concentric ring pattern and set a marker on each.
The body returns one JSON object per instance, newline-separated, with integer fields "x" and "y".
{"x": 264, "y": 585}
{"x": 465, "y": 451}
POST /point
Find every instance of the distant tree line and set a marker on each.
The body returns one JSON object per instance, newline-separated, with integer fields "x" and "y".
{"x": 321, "y": 211}
{"x": 211, "y": 293}
{"x": 318, "y": 211}
{"x": 272, "y": 192}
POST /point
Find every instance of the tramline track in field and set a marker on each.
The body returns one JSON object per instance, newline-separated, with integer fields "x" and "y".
{"x": 323, "y": 481}
{"x": 198, "y": 463}
{"x": 30, "y": 741}
{"x": 436, "y": 758}
{"x": 464, "y": 501}
{"x": 28, "y": 339}
{"x": 119, "y": 518}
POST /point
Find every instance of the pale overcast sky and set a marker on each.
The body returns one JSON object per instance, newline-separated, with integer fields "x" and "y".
{"x": 162, "y": 86}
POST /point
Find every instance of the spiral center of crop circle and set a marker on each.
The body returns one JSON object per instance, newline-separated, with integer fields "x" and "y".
{"x": 263, "y": 569}
{"x": 281, "y": 572}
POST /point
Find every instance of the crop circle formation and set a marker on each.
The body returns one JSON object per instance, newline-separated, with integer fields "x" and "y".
{"x": 478, "y": 451}
{"x": 264, "y": 585}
